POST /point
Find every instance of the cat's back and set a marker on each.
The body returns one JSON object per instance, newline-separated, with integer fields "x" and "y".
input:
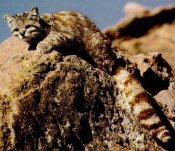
{"x": 64, "y": 19}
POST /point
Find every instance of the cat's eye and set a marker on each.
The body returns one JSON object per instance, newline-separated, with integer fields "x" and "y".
{"x": 27, "y": 26}
{"x": 15, "y": 30}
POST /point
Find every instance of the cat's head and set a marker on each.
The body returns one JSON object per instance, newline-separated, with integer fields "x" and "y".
{"x": 25, "y": 26}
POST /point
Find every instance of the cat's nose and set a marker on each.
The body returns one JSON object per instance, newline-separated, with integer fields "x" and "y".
{"x": 22, "y": 33}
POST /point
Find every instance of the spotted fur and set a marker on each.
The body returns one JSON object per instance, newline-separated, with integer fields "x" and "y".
{"x": 51, "y": 31}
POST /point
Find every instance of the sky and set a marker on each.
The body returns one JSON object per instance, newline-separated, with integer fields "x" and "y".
{"x": 103, "y": 12}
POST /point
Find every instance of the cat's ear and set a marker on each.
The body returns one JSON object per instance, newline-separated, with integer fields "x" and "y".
{"x": 34, "y": 11}
{"x": 8, "y": 18}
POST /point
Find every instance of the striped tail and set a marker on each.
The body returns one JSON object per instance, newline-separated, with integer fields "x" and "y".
{"x": 138, "y": 103}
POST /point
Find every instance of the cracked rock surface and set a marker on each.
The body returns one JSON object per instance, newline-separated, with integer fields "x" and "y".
{"x": 57, "y": 102}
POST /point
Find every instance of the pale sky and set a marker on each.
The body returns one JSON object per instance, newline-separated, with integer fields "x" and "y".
{"x": 103, "y": 12}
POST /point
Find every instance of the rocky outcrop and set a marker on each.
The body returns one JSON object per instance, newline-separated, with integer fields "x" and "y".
{"x": 167, "y": 106}
{"x": 143, "y": 30}
{"x": 151, "y": 69}
{"x": 61, "y": 102}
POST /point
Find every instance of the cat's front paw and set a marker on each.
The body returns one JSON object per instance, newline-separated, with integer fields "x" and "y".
{"x": 43, "y": 48}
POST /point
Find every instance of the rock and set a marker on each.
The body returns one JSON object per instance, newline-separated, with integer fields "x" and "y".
{"x": 60, "y": 102}
{"x": 155, "y": 73}
{"x": 146, "y": 31}
{"x": 152, "y": 70}
{"x": 134, "y": 9}
{"x": 166, "y": 100}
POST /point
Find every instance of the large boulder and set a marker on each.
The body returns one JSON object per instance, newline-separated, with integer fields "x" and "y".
{"x": 61, "y": 102}
{"x": 145, "y": 30}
